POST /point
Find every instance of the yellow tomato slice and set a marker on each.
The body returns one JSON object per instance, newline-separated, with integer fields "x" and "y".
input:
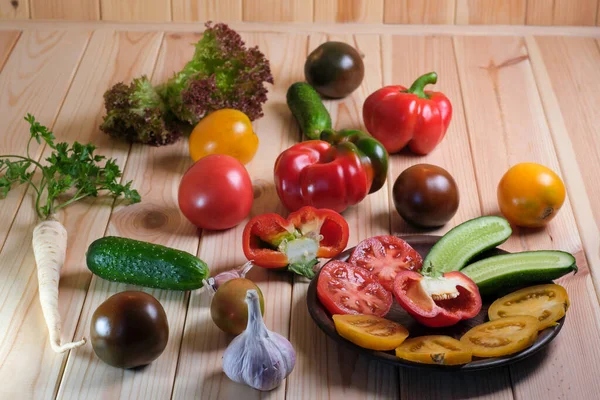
{"x": 502, "y": 337}
{"x": 435, "y": 349}
{"x": 548, "y": 303}
{"x": 369, "y": 331}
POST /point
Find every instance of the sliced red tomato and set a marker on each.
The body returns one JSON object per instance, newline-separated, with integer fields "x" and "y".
{"x": 385, "y": 256}
{"x": 347, "y": 289}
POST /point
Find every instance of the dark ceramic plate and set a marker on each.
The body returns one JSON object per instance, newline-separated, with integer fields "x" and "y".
{"x": 423, "y": 243}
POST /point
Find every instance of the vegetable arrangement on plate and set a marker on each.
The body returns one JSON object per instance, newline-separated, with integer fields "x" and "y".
{"x": 371, "y": 293}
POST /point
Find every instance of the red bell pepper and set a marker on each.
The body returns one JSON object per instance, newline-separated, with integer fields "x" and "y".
{"x": 271, "y": 241}
{"x": 316, "y": 173}
{"x": 437, "y": 301}
{"x": 397, "y": 116}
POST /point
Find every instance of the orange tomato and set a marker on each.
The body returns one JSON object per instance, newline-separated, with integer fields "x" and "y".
{"x": 530, "y": 195}
{"x": 225, "y": 131}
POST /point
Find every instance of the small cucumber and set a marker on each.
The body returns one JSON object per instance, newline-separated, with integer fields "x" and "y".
{"x": 497, "y": 273}
{"x": 145, "y": 264}
{"x": 463, "y": 242}
{"x": 308, "y": 109}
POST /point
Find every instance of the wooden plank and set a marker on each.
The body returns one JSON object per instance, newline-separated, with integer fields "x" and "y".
{"x": 452, "y": 154}
{"x": 349, "y": 11}
{"x": 35, "y": 79}
{"x": 580, "y": 12}
{"x": 135, "y": 10}
{"x": 419, "y": 11}
{"x": 598, "y": 15}
{"x": 502, "y": 100}
{"x": 326, "y": 370}
{"x": 540, "y": 12}
{"x": 510, "y": 12}
{"x": 14, "y": 9}
{"x": 199, "y": 372}
{"x": 125, "y": 56}
{"x": 65, "y": 9}
{"x": 207, "y": 10}
{"x": 8, "y": 39}
{"x": 571, "y": 119}
{"x": 278, "y": 11}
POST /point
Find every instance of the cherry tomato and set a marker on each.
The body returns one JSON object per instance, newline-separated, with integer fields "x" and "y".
{"x": 530, "y": 195}
{"x": 385, "y": 256}
{"x": 226, "y": 131}
{"x": 370, "y": 332}
{"x": 426, "y": 195}
{"x": 346, "y": 289}
{"x": 228, "y": 308}
{"x": 548, "y": 303}
{"x": 216, "y": 192}
{"x": 502, "y": 337}
{"x": 434, "y": 349}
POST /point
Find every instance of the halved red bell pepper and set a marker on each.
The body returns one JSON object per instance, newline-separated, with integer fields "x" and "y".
{"x": 437, "y": 301}
{"x": 271, "y": 241}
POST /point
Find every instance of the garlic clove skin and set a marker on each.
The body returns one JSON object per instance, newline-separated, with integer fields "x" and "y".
{"x": 211, "y": 284}
{"x": 258, "y": 357}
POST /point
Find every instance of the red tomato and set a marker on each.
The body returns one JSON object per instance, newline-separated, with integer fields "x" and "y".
{"x": 346, "y": 289}
{"x": 216, "y": 192}
{"x": 385, "y": 256}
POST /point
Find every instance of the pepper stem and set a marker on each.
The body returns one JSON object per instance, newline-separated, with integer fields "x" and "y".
{"x": 305, "y": 270}
{"x": 255, "y": 319}
{"x": 418, "y": 86}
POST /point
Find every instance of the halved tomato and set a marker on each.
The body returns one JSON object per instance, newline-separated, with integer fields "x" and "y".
{"x": 548, "y": 303}
{"x": 370, "y": 331}
{"x": 434, "y": 349}
{"x": 502, "y": 337}
{"x": 385, "y": 256}
{"x": 346, "y": 289}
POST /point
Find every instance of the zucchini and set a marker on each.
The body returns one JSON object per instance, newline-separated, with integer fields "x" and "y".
{"x": 145, "y": 264}
{"x": 465, "y": 241}
{"x": 496, "y": 274}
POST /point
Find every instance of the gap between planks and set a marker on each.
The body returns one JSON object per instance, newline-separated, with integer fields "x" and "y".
{"x": 310, "y": 27}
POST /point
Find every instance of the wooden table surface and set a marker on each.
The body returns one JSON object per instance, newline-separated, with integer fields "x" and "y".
{"x": 519, "y": 94}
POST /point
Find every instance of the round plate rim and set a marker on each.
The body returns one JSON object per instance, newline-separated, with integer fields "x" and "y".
{"x": 544, "y": 338}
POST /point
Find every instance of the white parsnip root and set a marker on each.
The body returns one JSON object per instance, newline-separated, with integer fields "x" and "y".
{"x": 49, "y": 248}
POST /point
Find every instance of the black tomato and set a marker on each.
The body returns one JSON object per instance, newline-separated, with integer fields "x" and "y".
{"x": 426, "y": 196}
{"x": 129, "y": 329}
{"x": 334, "y": 69}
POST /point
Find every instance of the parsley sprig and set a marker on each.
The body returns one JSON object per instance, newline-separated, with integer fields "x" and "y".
{"x": 72, "y": 173}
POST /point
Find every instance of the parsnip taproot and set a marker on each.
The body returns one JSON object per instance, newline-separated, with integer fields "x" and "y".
{"x": 71, "y": 173}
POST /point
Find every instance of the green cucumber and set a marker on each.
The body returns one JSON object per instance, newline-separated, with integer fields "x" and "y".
{"x": 308, "y": 109}
{"x": 465, "y": 241}
{"x": 145, "y": 264}
{"x": 508, "y": 271}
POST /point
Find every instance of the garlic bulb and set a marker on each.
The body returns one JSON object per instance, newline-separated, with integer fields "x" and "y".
{"x": 258, "y": 357}
{"x": 212, "y": 284}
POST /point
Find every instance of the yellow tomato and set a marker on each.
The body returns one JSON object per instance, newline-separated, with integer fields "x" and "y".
{"x": 369, "y": 331}
{"x": 530, "y": 195}
{"x": 502, "y": 337}
{"x": 548, "y": 303}
{"x": 225, "y": 131}
{"x": 435, "y": 349}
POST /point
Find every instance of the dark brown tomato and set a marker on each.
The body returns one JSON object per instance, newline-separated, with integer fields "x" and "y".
{"x": 129, "y": 329}
{"x": 228, "y": 307}
{"x": 334, "y": 69}
{"x": 426, "y": 195}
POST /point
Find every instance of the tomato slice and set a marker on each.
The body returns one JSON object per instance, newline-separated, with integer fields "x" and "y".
{"x": 370, "y": 332}
{"x": 385, "y": 256}
{"x": 434, "y": 349}
{"x": 346, "y": 289}
{"x": 502, "y": 337}
{"x": 548, "y": 303}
